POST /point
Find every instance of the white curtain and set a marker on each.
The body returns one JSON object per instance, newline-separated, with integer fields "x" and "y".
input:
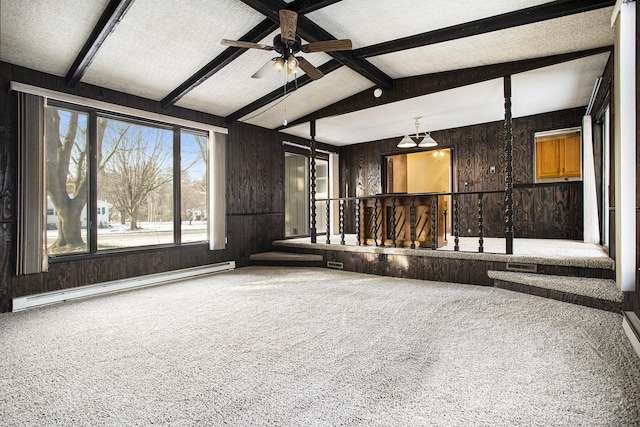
{"x": 217, "y": 190}
{"x": 32, "y": 195}
{"x": 590, "y": 199}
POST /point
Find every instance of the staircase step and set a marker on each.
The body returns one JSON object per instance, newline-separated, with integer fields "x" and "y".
{"x": 602, "y": 294}
{"x": 287, "y": 259}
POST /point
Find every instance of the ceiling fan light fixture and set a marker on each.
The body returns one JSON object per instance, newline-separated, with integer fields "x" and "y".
{"x": 278, "y": 65}
{"x": 292, "y": 64}
{"x": 406, "y": 142}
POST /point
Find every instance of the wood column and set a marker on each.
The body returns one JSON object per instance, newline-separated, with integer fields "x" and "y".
{"x": 508, "y": 157}
{"x": 312, "y": 183}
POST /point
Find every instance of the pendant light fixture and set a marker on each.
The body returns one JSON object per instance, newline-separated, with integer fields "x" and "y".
{"x": 410, "y": 142}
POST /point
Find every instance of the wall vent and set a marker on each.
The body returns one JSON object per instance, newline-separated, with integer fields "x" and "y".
{"x": 335, "y": 264}
{"x": 30, "y": 301}
{"x": 524, "y": 268}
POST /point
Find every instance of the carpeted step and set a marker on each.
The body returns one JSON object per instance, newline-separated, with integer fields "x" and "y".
{"x": 602, "y": 294}
{"x": 280, "y": 259}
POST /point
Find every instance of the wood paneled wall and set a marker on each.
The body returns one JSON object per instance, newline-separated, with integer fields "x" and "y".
{"x": 254, "y": 199}
{"x": 475, "y": 149}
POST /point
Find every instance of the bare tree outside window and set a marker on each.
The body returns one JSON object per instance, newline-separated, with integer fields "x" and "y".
{"x": 67, "y": 183}
{"x": 194, "y": 209}
{"x": 136, "y": 181}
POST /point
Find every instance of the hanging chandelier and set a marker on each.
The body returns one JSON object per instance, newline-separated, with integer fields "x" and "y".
{"x": 417, "y": 141}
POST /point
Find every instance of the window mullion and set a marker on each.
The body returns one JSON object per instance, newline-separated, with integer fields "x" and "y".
{"x": 92, "y": 205}
{"x": 177, "y": 180}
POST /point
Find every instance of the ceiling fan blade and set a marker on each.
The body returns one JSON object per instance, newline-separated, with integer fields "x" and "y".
{"x": 246, "y": 45}
{"x": 309, "y": 69}
{"x": 264, "y": 70}
{"x": 327, "y": 46}
{"x": 288, "y": 22}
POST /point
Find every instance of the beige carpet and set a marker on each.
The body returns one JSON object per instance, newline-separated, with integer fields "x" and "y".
{"x": 316, "y": 347}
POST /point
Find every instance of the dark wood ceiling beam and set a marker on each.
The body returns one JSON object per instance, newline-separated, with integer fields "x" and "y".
{"x": 411, "y": 87}
{"x": 308, "y": 6}
{"x": 111, "y": 17}
{"x": 255, "y": 35}
{"x": 526, "y": 16}
{"x": 311, "y": 32}
{"x": 325, "y": 68}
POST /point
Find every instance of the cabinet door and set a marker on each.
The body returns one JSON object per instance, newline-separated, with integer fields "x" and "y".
{"x": 547, "y": 159}
{"x": 570, "y": 156}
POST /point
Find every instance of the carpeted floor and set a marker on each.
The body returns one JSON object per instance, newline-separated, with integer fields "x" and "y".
{"x": 298, "y": 347}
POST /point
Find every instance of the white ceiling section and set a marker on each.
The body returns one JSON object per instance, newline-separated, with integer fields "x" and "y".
{"x": 558, "y": 87}
{"x": 310, "y": 98}
{"x": 46, "y": 35}
{"x": 392, "y": 20}
{"x": 478, "y": 103}
{"x": 561, "y": 35}
{"x": 158, "y": 45}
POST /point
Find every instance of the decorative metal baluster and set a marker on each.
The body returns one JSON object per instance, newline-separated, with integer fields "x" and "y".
{"x": 375, "y": 222}
{"x": 508, "y": 156}
{"x": 456, "y": 224}
{"x": 412, "y": 223}
{"x": 312, "y": 182}
{"x": 480, "y": 224}
{"x": 358, "y": 202}
{"x": 328, "y": 222}
{"x": 434, "y": 223}
{"x": 341, "y": 221}
{"x": 393, "y": 222}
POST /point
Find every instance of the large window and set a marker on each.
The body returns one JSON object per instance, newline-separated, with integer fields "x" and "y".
{"x": 147, "y": 183}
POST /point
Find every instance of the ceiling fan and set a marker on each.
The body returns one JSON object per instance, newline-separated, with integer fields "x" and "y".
{"x": 287, "y": 44}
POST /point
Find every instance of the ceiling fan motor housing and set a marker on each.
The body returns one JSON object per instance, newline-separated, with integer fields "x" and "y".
{"x": 283, "y": 48}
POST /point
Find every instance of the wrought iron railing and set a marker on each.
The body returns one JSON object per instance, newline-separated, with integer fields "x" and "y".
{"x": 408, "y": 219}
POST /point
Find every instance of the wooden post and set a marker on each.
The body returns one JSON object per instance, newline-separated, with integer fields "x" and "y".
{"x": 480, "y": 224}
{"x": 508, "y": 157}
{"x": 328, "y": 221}
{"x": 375, "y": 221}
{"x": 434, "y": 223}
{"x": 393, "y": 222}
{"x": 358, "y": 237}
{"x": 341, "y": 221}
{"x": 412, "y": 222}
{"x": 456, "y": 224}
{"x": 312, "y": 183}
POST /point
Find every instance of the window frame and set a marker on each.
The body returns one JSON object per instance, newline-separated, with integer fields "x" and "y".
{"x": 176, "y": 128}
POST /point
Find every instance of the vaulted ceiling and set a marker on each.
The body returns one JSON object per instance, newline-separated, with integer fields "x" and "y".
{"x": 170, "y": 52}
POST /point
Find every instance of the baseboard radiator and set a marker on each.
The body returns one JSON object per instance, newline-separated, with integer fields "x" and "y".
{"x": 36, "y": 300}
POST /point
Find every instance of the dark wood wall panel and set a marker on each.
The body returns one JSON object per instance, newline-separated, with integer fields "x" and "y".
{"x": 553, "y": 211}
{"x": 255, "y": 162}
{"x": 475, "y": 149}
{"x": 254, "y": 199}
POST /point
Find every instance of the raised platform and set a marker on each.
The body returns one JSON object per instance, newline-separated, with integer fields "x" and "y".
{"x": 602, "y": 294}
{"x": 556, "y": 257}
{"x": 280, "y": 259}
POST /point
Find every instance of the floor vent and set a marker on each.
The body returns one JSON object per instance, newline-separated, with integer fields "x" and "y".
{"x": 524, "y": 268}
{"x": 30, "y": 301}
{"x": 335, "y": 264}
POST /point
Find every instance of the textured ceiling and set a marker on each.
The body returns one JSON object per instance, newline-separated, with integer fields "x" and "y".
{"x": 158, "y": 45}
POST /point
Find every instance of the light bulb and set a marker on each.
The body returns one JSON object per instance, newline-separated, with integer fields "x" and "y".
{"x": 278, "y": 65}
{"x": 292, "y": 64}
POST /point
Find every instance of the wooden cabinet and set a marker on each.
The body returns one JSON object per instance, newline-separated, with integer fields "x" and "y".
{"x": 558, "y": 157}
